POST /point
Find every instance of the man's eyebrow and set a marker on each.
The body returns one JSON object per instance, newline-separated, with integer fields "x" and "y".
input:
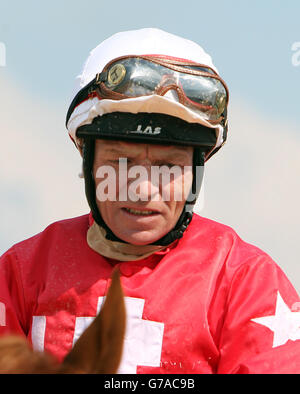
{"x": 172, "y": 157}
{"x": 178, "y": 153}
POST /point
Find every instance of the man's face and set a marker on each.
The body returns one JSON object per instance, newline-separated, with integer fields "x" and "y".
{"x": 142, "y": 205}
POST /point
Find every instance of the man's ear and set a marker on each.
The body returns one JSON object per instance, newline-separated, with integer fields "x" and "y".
{"x": 79, "y": 145}
{"x": 99, "y": 349}
{"x": 81, "y": 174}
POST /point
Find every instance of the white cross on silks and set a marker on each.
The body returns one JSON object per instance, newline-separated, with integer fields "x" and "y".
{"x": 143, "y": 338}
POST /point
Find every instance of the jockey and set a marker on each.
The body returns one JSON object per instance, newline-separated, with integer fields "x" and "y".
{"x": 178, "y": 90}
{"x": 149, "y": 109}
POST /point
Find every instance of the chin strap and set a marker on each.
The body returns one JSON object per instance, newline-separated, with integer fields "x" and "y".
{"x": 185, "y": 217}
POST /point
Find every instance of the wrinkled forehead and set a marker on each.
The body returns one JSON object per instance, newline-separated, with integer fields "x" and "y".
{"x": 130, "y": 148}
{"x": 141, "y": 42}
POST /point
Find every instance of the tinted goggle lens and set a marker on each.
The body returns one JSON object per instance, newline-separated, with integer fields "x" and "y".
{"x": 133, "y": 77}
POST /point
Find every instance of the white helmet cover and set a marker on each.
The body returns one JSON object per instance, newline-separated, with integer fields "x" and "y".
{"x": 148, "y": 41}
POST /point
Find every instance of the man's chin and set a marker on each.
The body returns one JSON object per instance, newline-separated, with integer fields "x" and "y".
{"x": 141, "y": 238}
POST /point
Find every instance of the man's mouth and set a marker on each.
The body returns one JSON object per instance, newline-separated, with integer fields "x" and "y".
{"x": 144, "y": 212}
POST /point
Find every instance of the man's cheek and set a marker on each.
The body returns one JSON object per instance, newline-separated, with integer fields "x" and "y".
{"x": 179, "y": 189}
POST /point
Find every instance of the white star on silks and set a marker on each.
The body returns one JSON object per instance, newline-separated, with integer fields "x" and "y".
{"x": 285, "y": 324}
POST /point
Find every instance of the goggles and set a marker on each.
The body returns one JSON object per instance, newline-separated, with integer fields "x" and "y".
{"x": 198, "y": 87}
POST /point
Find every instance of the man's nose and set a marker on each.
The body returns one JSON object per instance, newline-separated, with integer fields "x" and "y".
{"x": 143, "y": 187}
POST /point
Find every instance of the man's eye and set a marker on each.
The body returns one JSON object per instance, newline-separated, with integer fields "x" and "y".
{"x": 169, "y": 165}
